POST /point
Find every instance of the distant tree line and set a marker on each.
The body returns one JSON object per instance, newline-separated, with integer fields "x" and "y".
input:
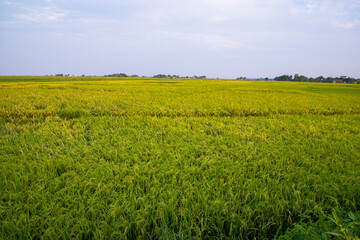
{"x": 155, "y": 76}
{"x": 120, "y": 75}
{"x": 62, "y": 75}
{"x": 177, "y": 76}
{"x": 302, "y": 78}
{"x": 165, "y": 76}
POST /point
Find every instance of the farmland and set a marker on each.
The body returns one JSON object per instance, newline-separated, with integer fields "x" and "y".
{"x": 110, "y": 158}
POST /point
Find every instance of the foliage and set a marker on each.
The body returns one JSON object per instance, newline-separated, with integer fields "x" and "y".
{"x": 301, "y": 78}
{"x": 117, "y": 75}
{"x": 284, "y": 78}
{"x": 337, "y": 226}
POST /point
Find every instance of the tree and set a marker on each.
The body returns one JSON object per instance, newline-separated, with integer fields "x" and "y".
{"x": 300, "y": 78}
{"x": 117, "y": 75}
{"x": 160, "y": 76}
{"x": 303, "y": 78}
{"x": 296, "y": 78}
{"x": 283, "y": 78}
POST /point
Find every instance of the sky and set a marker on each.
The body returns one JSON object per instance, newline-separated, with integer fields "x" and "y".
{"x": 216, "y": 38}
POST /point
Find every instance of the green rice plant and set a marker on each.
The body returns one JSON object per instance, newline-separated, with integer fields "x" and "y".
{"x": 338, "y": 225}
{"x": 149, "y": 159}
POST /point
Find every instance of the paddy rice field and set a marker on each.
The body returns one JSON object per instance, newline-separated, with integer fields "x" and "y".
{"x": 111, "y": 158}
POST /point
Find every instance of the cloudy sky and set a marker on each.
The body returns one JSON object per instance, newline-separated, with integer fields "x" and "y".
{"x": 216, "y": 38}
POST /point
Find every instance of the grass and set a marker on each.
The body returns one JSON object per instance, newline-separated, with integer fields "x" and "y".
{"x": 160, "y": 159}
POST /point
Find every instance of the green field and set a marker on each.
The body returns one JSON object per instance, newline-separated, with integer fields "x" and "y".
{"x": 107, "y": 158}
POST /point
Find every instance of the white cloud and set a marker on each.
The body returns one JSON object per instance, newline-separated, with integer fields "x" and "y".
{"x": 41, "y": 14}
{"x": 311, "y": 7}
{"x": 346, "y": 24}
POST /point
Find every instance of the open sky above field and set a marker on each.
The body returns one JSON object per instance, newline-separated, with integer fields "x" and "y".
{"x": 216, "y": 38}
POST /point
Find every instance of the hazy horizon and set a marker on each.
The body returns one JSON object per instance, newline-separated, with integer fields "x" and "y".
{"x": 218, "y": 39}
